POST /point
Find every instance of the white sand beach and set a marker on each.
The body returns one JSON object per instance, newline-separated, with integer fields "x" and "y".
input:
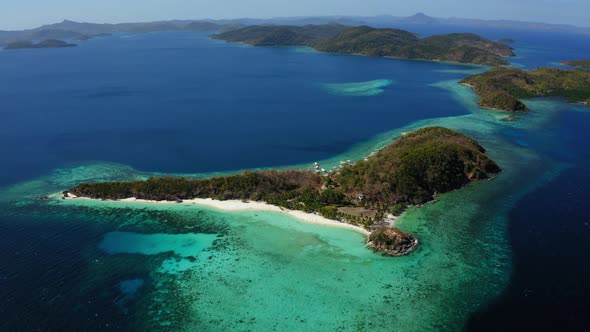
{"x": 237, "y": 205}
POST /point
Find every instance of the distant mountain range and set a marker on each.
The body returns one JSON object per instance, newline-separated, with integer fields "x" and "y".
{"x": 81, "y": 31}
{"x": 418, "y": 19}
{"x": 76, "y": 30}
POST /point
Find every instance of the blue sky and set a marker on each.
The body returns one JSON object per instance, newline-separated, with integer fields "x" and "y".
{"x": 19, "y": 14}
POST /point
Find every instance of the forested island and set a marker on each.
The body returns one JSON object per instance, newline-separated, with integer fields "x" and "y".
{"x": 364, "y": 40}
{"x": 501, "y": 88}
{"x": 49, "y": 43}
{"x": 410, "y": 171}
{"x": 577, "y": 63}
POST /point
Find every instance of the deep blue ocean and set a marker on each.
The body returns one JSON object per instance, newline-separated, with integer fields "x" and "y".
{"x": 550, "y": 237}
{"x": 175, "y": 102}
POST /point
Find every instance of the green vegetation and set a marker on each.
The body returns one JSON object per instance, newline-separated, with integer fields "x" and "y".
{"x": 50, "y": 43}
{"x": 577, "y": 63}
{"x": 367, "y": 41}
{"x": 457, "y": 47}
{"x": 500, "y": 88}
{"x": 415, "y": 168}
{"x": 409, "y": 171}
{"x": 261, "y": 35}
{"x": 261, "y": 185}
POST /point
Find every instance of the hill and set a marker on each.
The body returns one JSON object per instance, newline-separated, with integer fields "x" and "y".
{"x": 415, "y": 168}
{"x": 420, "y": 18}
{"x": 501, "y": 88}
{"x": 284, "y": 35}
{"x": 364, "y": 40}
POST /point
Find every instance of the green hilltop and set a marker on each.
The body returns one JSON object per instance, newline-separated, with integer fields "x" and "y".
{"x": 501, "y": 88}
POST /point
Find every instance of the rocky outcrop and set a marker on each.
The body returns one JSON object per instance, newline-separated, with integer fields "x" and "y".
{"x": 392, "y": 241}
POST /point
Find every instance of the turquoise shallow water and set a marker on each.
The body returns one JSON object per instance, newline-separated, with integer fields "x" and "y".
{"x": 358, "y": 89}
{"x": 186, "y": 247}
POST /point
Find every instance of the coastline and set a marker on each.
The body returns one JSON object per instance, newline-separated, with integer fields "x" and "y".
{"x": 456, "y": 63}
{"x": 467, "y": 64}
{"x": 237, "y": 205}
{"x": 488, "y": 107}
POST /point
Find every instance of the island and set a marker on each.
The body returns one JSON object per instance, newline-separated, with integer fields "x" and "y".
{"x": 71, "y": 30}
{"x": 48, "y": 43}
{"x": 577, "y": 63}
{"x": 501, "y": 88}
{"x": 410, "y": 171}
{"x": 364, "y": 40}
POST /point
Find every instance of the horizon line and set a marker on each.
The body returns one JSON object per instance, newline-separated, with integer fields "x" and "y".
{"x": 341, "y": 16}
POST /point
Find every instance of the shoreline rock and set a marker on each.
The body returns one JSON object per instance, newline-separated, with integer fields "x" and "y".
{"x": 392, "y": 242}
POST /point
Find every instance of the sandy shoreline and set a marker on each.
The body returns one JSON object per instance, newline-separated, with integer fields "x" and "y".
{"x": 237, "y": 205}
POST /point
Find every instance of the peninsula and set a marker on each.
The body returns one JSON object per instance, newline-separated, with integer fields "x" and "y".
{"x": 501, "y": 88}
{"x": 49, "y": 43}
{"x": 577, "y": 63}
{"x": 365, "y": 40}
{"x": 410, "y": 171}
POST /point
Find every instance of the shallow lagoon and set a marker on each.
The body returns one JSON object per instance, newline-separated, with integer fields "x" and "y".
{"x": 358, "y": 89}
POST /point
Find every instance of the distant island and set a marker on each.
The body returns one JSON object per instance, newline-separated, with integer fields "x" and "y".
{"x": 410, "y": 171}
{"x": 364, "y": 40}
{"x": 577, "y": 63}
{"x": 501, "y": 88}
{"x": 49, "y": 43}
{"x": 84, "y": 31}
